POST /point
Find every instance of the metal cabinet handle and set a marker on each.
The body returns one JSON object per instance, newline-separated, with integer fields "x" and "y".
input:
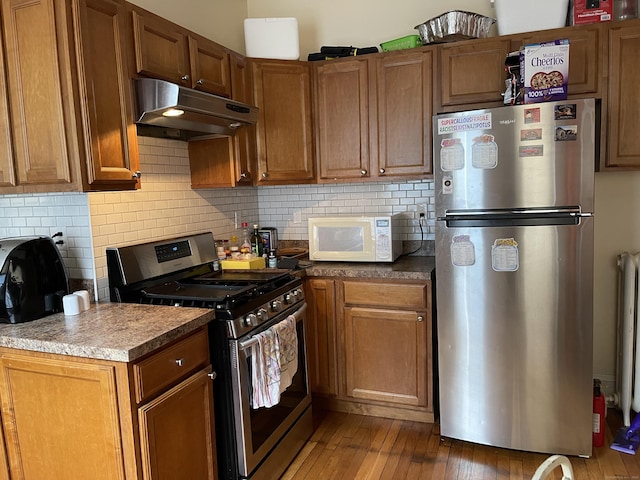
{"x": 363, "y": 172}
{"x": 180, "y": 362}
{"x": 212, "y": 375}
{"x": 137, "y": 174}
{"x": 244, "y": 175}
{"x": 200, "y": 82}
{"x": 265, "y": 174}
{"x": 382, "y": 170}
{"x": 185, "y": 78}
{"x": 420, "y": 318}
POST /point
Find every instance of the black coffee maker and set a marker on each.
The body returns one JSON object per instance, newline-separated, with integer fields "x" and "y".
{"x": 33, "y": 279}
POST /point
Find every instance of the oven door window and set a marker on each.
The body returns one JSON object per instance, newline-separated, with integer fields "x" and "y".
{"x": 264, "y": 421}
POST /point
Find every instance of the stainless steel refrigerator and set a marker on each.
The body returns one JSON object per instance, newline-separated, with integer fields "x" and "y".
{"x": 514, "y": 275}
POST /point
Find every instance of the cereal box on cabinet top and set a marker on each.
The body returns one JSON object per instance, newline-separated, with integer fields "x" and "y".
{"x": 544, "y": 69}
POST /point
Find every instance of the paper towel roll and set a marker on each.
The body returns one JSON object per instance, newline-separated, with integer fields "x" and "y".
{"x": 84, "y": 296}
{"x": 72, "y": 304}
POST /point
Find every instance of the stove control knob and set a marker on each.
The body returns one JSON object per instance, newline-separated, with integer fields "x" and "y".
{"x": 288, "y": 298}
{"x": 262, "y": 315}
{"x": 297, "y": 294}
{"x": 251, "y": 320}
{"x": 276, "y": 306}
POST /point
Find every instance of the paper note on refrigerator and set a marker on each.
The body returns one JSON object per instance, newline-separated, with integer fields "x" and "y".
{"x": 504, "y": 255}
{"x": 463, "y": 253}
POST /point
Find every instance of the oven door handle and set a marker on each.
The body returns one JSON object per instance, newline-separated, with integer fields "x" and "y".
{"x": 253, "y": 340}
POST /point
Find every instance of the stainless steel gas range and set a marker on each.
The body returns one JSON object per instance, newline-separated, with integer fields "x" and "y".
{"x": 253, "y": 442}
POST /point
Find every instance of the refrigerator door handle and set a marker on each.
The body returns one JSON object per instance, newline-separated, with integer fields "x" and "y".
{"x": 513, "y": 218}
{"x": 516, "y": 212}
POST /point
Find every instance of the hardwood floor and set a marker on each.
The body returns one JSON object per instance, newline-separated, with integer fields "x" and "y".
{"x": 348, "y": 446}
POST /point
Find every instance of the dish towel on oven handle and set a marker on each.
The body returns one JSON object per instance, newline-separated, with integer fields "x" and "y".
{"x": 274, "y": 362}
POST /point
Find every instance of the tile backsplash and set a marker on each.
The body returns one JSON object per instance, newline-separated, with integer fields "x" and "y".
{"x": 166, "y": 206}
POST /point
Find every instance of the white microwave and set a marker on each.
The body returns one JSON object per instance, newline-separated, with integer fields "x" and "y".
{"x": 355, "y": 239}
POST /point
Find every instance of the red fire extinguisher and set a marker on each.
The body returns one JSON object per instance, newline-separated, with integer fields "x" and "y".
{"x": 599, "y": 406}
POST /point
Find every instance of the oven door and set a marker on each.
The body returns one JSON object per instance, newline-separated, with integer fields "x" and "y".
{"x": 260, "y": 430}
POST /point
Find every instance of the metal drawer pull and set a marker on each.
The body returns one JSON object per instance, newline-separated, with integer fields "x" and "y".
{"x": 180, "y": 362}
{"x": 212, "y": 375}
{"x": 420, "y": 318}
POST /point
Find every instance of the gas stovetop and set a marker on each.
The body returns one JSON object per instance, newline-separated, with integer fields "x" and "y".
{"x": 229, "y": 293}
{"x": 180, "y": 271}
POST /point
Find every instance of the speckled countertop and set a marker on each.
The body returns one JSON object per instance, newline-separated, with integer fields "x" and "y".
{"x": 405, "y": 268}
{"x": 109, "y": 331}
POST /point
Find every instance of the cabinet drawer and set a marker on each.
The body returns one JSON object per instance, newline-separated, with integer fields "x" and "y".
{"x": 386, "y": 294}
{"x": 170, "y": 365}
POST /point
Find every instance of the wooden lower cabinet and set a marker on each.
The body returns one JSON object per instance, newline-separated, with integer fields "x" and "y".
{"x": 177, "y": 432}
{"x": 381, "y": 333}
{"x": 75, "y": 418}
{"x": 321, "y": 341}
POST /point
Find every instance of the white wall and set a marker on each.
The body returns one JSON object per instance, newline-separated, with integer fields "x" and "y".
{"x": 359, "y": 23}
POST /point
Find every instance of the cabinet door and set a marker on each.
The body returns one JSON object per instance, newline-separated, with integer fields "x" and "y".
{"x": 43, "y": 117}
{"x": 7, "y": 173}
{"x": 282, "y": 92}
{"x": 321, "y": 339}
{"x": 177, "y": 432}
{"x": 585, "y": 56}
{"x": 402, "y": 123}
{"x": 472, "y": 72}
{"x": 211, "y": 162}
{"x": 342, "y": 119}
{"x": 624, "y": 103}
{"x": 245, "y": 138}
{"x": 60, "y": 419}
{"x": 107, "y": 106}
{"x": 386, "y": 354}
{"x": 209, "y": 66}
{"x": 161, "y": 47}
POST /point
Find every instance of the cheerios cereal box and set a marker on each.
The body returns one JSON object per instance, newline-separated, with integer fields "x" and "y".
{"x": 544, "y": 70}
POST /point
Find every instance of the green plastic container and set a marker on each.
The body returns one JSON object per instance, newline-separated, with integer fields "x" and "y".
{"x": 410, "y": 41}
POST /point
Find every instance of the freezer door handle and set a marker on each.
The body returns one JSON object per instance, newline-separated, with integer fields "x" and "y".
{"x": 516, "y": 218}
{"x": 572, "y": 210}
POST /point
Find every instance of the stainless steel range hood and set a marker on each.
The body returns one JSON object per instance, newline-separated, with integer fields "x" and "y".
{"x": 202, "y": 114}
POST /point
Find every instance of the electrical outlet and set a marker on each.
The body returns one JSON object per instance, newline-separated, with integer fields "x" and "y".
{"x": 421, "y": 210}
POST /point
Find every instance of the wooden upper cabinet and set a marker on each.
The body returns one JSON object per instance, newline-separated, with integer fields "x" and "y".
{"x": 245, "y": 138}
{"x": 282, "y": 92}
{"x": 69, "y": 95}
{"x": 373, "y": 116}
{"x": 209, "y": 66}
{"x": 585, "y": 55}
{"x": 161, "y": 48}
{"x": 403, "y": 96}
{"x": 169, "y": 52}
{"x": 342, "y": 119}
{"x": 107, "y": 112}
{"x": 227, "y": 161}
{"x": 472, "y": 72}
{"x": 7, "y": 173}
{"x": 44, "y": 145}
{"x": 622, "y": 120}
